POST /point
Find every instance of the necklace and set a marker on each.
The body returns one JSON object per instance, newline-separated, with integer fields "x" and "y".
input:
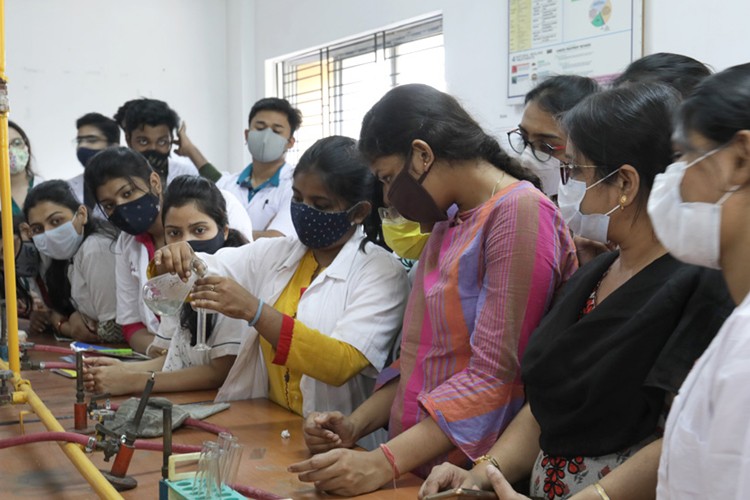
{"x": 497, "y": 184}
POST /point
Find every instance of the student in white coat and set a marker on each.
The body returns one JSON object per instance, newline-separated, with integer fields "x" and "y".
{"x": 82, "y": 262}
{"x": 699, "y": 210}
{"x": 194, "y": 211}
{"x": 328, "y": 306}
{"x": 129, "y": 192}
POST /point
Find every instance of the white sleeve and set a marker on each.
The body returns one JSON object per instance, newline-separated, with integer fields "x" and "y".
{"x": 374, "y": 309}
{"x": 98, "y": 268}
{"x": 127, "y": 285}
{"x": 237, "y": 215}
{"x": 227, "y": 336}
{"x": 282, "y": 221}
{"x": 728, "y": 442}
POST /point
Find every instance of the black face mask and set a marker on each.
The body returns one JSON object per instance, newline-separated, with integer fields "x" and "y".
{"x": 27, "y": 261}
{"x": 208, "y": 246}
{"x": 158, "y": 161}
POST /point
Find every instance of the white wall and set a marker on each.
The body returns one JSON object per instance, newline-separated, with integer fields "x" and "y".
{"x": 69, "y": 57}
{"x": 715, "y": 33}
{"x": 207, "y": 58}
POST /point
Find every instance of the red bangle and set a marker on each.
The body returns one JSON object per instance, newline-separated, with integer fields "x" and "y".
{"x": 391, "y": 460}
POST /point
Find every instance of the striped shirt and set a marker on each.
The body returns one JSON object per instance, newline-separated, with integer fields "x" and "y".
{"x": 484, "y": 281}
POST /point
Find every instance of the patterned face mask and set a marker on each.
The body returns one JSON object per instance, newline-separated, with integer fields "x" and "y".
{"x": 318, "y": 229}
{"x": 135, "y": 217}
{"x": 158, "y": 161}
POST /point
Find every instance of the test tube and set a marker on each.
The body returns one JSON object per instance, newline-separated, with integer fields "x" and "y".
{"x": 200, "y": 344}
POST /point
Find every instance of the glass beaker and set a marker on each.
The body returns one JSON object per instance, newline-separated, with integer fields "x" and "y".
{"x": 166, "y": 293}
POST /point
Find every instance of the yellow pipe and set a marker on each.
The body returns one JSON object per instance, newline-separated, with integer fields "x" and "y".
{"x": 9, "y": 254}
{"x": 25, "y": 394}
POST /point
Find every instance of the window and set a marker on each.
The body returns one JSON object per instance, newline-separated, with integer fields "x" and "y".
{"x": 334, "y": 86}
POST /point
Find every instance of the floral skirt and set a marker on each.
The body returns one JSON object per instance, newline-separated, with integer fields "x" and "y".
{"x": 558, "y": 478}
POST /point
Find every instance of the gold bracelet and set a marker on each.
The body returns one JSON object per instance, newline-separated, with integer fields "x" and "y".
{"x": 600, "y": 489}
{"x": 487, "y": 458}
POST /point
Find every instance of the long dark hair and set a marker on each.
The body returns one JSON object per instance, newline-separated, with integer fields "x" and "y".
{"x": 115, "y": 163}
{"x": 719, "y": 107}
{"x": 558, "y": 94}
{"x": 345, "y": 173}
{"x": 626, "y": 125}
{"x": 187, "y": 189}
{"x": 417, "y": 111}
{"x": 22, "y": 292}
{"x": 56, "y": 276}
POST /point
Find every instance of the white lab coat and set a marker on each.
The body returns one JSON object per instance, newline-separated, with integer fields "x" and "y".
{"x": 706, "y": 449}
{"x": 359, "y": 299}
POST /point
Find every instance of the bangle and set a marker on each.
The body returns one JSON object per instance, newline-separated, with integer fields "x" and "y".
{"x": 600, "y": 489}
{"x": 391, "y": 460}
{"x": 254, "y": 321}
{"x": 488, "y": 458}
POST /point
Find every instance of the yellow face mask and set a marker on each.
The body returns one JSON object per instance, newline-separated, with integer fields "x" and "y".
{"x": 405, "y": 238}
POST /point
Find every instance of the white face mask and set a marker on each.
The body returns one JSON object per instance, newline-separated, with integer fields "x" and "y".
{"x": 547, "y": 171}
{"x": 590, "y": 226}
{"x": 60, "y": 243}
{"x": 690, "y": 231}
{"x": 266, "y": 145}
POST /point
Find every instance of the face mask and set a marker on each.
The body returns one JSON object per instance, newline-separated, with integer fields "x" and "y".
{"x": 158, "y": 161}
{"x": 318, "y": 229}
{"x": 135, "y": 217}
{"x": 85, "y": 154}
{"x": 19, "y": 158}
{"x": 547, "y": 171}
{"x": 569, "y": 198}
{"x": 412, "y": 200}
{"x": 208, "y": 246}
{"x": 404, "y": 237}
{"x": 27, "y": 261}
{"x": 60, "y": 243}
{"x": 266, "y": 145}
{"x": 690, "y": 231}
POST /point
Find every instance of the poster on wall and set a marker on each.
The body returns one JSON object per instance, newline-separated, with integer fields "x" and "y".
{"x": 594, "y": 38}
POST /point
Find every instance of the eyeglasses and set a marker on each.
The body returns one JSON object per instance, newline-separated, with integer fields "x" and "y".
{"x": 541, "y": 150}
{"x": 567, "y": 168}
{"x": 88, "y": 140}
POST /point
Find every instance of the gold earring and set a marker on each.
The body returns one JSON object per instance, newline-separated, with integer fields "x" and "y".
{"x": 623, "y": 200}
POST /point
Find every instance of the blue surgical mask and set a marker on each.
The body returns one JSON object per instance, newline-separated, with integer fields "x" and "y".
{"x": 135, "y": 217}
{"x": 318, "y": 229}
{"x": 60, "y": 243}
{"x": 208, "y": 246}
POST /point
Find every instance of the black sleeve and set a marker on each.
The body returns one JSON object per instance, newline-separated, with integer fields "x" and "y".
{"x": 705, "y": 311}
{"x": 210, "y": 172}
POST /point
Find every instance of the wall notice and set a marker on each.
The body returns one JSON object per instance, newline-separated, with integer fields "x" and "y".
{"x": 594, "y": 38}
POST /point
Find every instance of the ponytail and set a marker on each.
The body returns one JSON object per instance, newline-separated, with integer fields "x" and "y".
{"x": 491, "y": 151}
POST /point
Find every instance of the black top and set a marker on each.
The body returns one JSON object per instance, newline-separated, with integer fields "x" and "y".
{"x": 597, "y": 384}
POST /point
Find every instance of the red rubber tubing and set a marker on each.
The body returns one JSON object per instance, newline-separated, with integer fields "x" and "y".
{"x": 255, "y": 493}
{"x": 48, "y": 365}
{"x": 72, "y": 437}
{"x": 51, "y": 348}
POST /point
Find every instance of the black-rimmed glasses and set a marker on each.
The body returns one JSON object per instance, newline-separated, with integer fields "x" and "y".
{"x": 541, "y": 150}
